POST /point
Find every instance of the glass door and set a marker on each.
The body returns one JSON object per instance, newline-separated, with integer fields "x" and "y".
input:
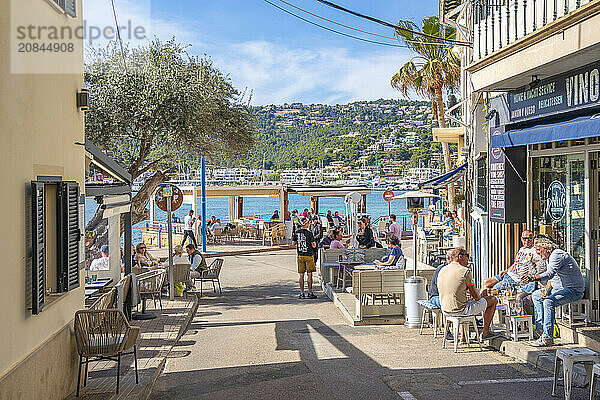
{"x": 558, "y": 202}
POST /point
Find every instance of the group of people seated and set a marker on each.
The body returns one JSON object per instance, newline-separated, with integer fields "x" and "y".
{"x": 542, "y": 274}
{"x": 144, "y": 261}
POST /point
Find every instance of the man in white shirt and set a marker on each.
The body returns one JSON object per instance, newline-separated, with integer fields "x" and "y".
{"x": 102, "y": 263}
{"x": 188, "y": 228}
{"x": 526, "y": 258}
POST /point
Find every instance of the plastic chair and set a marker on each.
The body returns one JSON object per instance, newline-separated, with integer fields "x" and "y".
{"x": 436, "y": 314}
{"x": 456, "y": 322}
{"x": 568, "y": 358}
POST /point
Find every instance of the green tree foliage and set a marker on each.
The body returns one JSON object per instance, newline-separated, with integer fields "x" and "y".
{"x": 156, "y": 104}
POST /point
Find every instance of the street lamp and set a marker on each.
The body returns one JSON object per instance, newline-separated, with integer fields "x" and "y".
{"x": 414, "y": 286}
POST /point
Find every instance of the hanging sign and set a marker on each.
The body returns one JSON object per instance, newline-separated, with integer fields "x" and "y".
{"x": 497, "y": 179}
{"x": 556, "y": 201}
{"x": 168, "y": 191}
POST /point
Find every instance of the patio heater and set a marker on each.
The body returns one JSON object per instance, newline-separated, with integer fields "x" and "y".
{"x": 414, "y": 286}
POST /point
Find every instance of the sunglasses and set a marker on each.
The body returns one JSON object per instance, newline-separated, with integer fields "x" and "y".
{"x": 527, "y": 237}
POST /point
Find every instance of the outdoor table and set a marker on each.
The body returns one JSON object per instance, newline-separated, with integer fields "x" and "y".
{"x": 90, "y": 293}
{"x": 439, "y": 229}
{"x": 346, "y": 267}
{"x": 99, "y": 284}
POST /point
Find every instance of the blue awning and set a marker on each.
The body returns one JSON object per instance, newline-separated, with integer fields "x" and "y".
{"x": 440, "y": 182}
{"x": 576, "y": 128}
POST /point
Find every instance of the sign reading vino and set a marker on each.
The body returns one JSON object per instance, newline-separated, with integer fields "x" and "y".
{"x": 573, "y": 90}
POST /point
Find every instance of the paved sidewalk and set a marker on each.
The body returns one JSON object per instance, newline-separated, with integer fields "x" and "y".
{"x": 157, "y": 338}
{"x": 259, "y": 341}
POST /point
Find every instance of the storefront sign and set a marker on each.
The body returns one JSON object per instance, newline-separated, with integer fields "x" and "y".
{"x": 556, "y": 201}
{"x": 497, "y": 179}
{"x": 576, "y": 89}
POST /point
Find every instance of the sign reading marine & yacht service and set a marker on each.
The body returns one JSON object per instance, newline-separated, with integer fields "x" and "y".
{"x": 497, "y": 179}
{"x": 573, "y": 90}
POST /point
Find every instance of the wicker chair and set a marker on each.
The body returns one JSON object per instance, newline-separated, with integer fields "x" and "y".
{"x": 150, "y": 284}
{"x": 106, "y": 301}
{"x": 104, "y": 334}
{"x": 181, "y": 274}
{"x": 211, "y": 274}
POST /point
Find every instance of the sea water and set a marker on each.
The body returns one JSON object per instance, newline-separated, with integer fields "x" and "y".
{"x": 263, "y": 207}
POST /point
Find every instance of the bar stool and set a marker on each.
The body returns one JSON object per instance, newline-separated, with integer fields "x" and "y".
{"x": 519, "y": 327}
{"x": 456, "y": 322}
{"x": 436, "y": 314}
{"x": 568, "y": 358}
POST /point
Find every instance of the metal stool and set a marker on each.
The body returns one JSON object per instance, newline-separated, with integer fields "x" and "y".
{"x": 595, "y": 371}
{"x": 456, "y": 322}
{"x": 519, "y": 327}
{"x": 576, "y": 311}
{"x": 568, "y": 358}
{"x": 436, "y": 314}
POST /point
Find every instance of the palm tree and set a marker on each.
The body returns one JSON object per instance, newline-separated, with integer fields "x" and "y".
{"x": 435, "y": 69}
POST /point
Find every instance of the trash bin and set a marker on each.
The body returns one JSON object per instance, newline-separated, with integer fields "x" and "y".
{"x": 414, "y": 289}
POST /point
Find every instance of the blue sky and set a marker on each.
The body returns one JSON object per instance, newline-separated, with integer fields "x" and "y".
{"x": 277, "y": 56}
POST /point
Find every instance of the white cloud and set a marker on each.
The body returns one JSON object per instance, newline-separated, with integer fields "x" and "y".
{"x": 278, "y": 74}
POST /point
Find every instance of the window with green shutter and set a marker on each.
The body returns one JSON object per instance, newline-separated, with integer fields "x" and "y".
{"x": 51, "y": 278}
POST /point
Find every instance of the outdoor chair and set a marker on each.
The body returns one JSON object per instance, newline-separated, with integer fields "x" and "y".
{"x": 106, "y": 301}
{"x": 382, "y": 229}
{"x": 218, "y": 235}
{"x": 211, "y": 274}
{"x": 181, "y": 274}
{"x": 150, "y": 286}
{"x": 104, "y": 334}
{"x": 269, "y": 234}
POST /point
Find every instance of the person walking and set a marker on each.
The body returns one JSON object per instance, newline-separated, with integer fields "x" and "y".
{"x": 305, "y": 247}
{"x": 188, "y": 228}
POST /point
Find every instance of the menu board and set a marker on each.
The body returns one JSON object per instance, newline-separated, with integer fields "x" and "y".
{"x": 497, "y": 179}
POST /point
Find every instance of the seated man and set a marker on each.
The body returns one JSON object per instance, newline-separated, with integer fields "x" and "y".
{"x": 509, "y": 278}
{"x": 336, "y": 243}
{"x": 391, "y": 260}
{"x": 326, "y": 242}
{"x": 454, "y": 282}
{"x": 102, "y": 263}
{"x": 567, "y": 285}
{"x": 434, "y": 294}
{"x": 197, "y": 264}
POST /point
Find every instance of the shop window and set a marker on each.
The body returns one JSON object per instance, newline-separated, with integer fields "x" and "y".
{"x": 558, "y": 206}
{"x": 545, "y": 146}
{"x": 55, "y": 240}
{"x": 482, "y": 183}
{"x": 68, "y": 6}
{"x": 561, "y": 144}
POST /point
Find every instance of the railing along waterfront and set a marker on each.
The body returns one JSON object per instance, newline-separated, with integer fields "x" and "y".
{"x": 498, "y": 23}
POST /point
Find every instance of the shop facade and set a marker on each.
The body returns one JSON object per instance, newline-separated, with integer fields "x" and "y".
{"x": 554, "y": 126}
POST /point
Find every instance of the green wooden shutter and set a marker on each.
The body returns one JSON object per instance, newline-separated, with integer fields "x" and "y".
{"x": 38, "y": 240}
{"x": 68, "y": 236}
{"x": 71, "y": 7}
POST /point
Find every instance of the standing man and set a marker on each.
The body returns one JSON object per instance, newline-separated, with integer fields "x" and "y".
{"x": 455, "y": 280}
{"x": 567, "y": 286}
{"x": 305, "y": 246}
{"x": 188, "y": 228}
{"x": 395, "y": 228}
{"x": 510, "y": 277}
{"x": 337, "y": 220}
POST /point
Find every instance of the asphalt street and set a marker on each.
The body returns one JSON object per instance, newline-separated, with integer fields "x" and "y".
{"x": 257, "y": 340}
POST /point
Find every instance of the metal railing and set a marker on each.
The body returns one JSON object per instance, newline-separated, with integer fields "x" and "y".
{"x": 497, "y": 23}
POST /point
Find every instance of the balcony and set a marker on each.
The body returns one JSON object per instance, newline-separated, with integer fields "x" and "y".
{"x": 500, "y": 23}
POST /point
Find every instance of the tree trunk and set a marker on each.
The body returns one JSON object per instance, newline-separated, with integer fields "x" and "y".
{"x": 139, "y": 213}
{"x": 445, "y": 149}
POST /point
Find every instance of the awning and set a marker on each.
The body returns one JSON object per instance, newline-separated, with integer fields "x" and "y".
{"x": 575, "y": 128}
{"x": 440, "y": 182}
